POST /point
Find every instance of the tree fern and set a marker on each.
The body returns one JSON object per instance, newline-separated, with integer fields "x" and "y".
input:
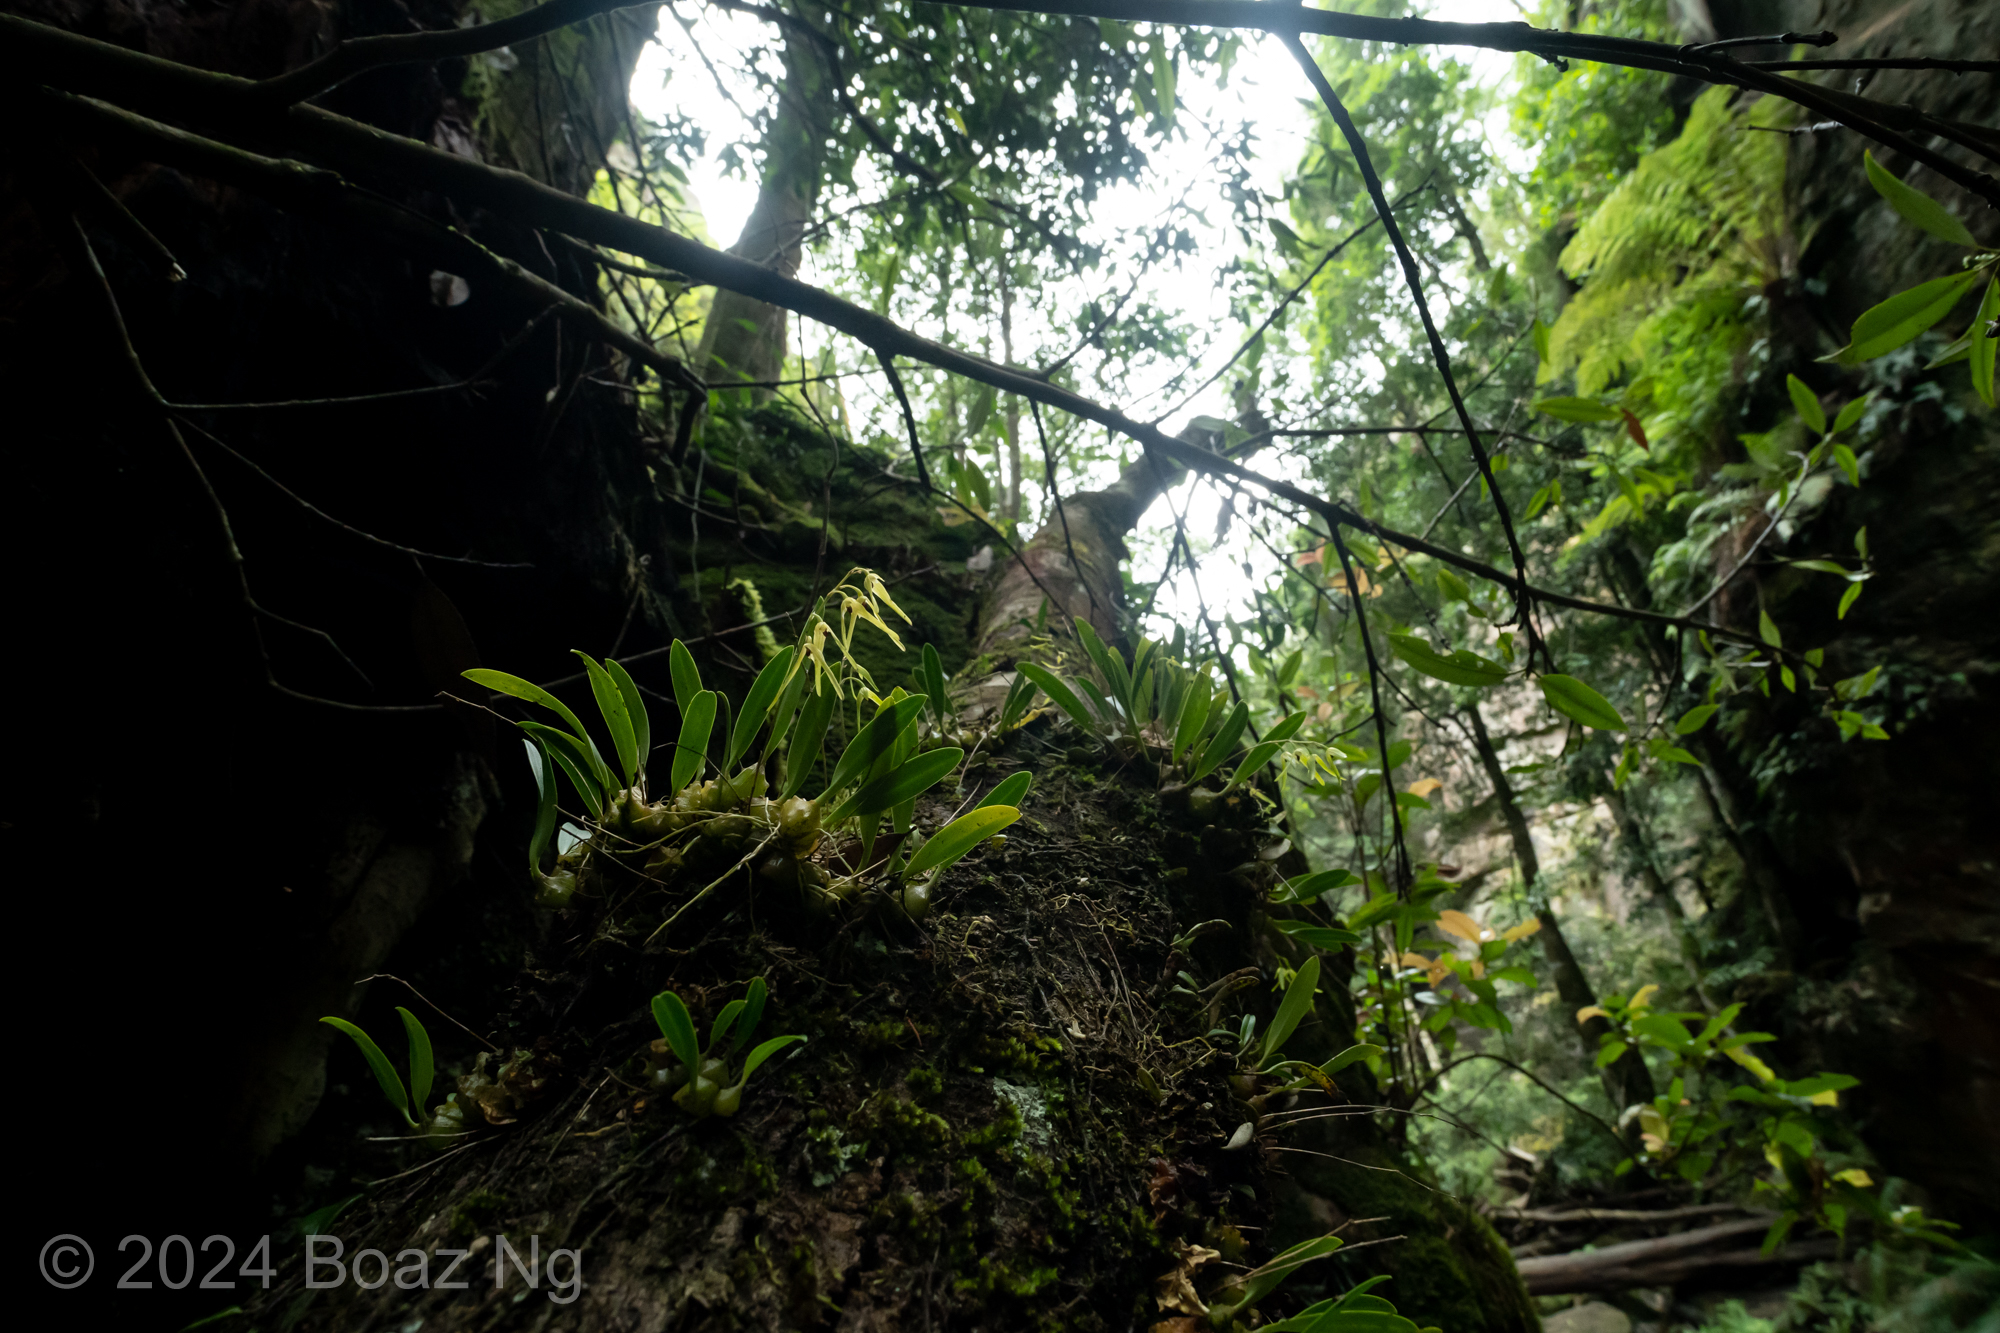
{"x": 1670, "y": 259}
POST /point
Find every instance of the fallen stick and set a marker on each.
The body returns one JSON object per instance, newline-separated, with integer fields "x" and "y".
{"x": 1661, "y": 1262}
{"x": 1559, "y": 1215}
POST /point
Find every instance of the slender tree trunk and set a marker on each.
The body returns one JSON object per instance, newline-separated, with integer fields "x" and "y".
{"x": 1012, "y": 419}
{"x": 1627, "y": 1079}
{"x": 745, "y": 339}
{"x": 1640, "y": 850}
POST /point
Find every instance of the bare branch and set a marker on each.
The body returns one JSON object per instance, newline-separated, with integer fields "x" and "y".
{"x": 1524, "y": 608}
{"x": 1354, "y": 597}
{"x": 1891, "y": 62}
{"x": 909, "y": 418}
{"x": 300, "y": 187}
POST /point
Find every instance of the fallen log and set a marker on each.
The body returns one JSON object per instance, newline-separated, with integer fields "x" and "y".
{"x": 1663, "y": 1261}
{"x": 1560, "y": 1215}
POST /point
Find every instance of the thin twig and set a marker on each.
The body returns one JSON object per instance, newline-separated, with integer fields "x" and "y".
{"x": 909, "y": 418}
{"x": 348, "y": 528}
{"x": 1524, "y": 604}
{"x": 1403, "y": 873}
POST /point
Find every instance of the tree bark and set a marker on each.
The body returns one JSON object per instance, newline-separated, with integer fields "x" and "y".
{"x": 1641, "y": 853}
{"x": 1627, "y": 1080}
{"x": 743, "y": 338}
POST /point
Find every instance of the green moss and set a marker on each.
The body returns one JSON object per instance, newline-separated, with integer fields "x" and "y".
{"x": 477, "y": 1213}
{"x": 912, "y": 1132}
{"x": 1002, "y": 1053}
{"x": 992, "y": 1278}
{"x": 713, "y": 1176}
{"x": 1451, "y": 1270}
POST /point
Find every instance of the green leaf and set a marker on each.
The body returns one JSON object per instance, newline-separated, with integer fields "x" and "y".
{"x": 1767, "y": 629}
{"x": 802, "y": 752}
{"x": 378, "y": 1063}
{"x": 1849, "y": 464}
{"x": 570, "y": 758}
{"x": 724, "y": 1021}
{"x": 785, "y": 711}
{"x": 1221, "y": 744}
{"x": 1009, "y": 792}
{"x": 721, "y": 729}
{"x": 1982, "y": 354}
{"x": 1298, "y": 1002}
{"x": 1163, "y": 80}
{"x": 1520, "y": 976}
{"x": 1452, "y": 586}
{"x": 764, "y": 1052}
{"x": 757, "y": 706}
{"x": 872, "y": 742}
{"x": 906, "y": 783}
{"x": 1917, "y": 208}
{"x": 1110, "y": 664}
{"x": 687, "y": 677}
{"x": 678, "y": 1028}
{"x": 1608, "y": 1053}
{"x": 544, "y": 770}
{"x": 1261, "y": 753}
{"x": 1306, "y": 888}
{"x": 1097, "y": 697}
{"x": 1848, "y": 599}
{"x": 1318, "y": 937}
{"x": 1806, "y": 402}
{"x": 1541, "y": 336}
{"x": 422, "y": 1066}
{"x": 691, "y": 746}
{"x": 1377, "y": 909}
{"x": 753, "y": 1011}
{"x": 503, "y": 683}
{"x": 611, "y": 703}
{"x": 1662, "y": 1030}
{"x": 1574, "y": 699}
{"x": 1695, "y": 719}
{"x": 1347, "y": 1057}
{"x": 1195, "y": 704}
{"x": 980, "y": 411}
{"x": 1018, "y": 696}
{"x": 1884, "y": 328}
{"x": 933, "y": 674}
{"x": 1290, "y": 670}
{"x": 1851, "y": 413}
{"x": 950, "y": 843}
{"x": 635, "y": 709}
{"x": 1261, "y": 1282}
{"x": 1576, "y": 409}
{"x": 1461, "y": 668}
{"x": 1060, "y": 694}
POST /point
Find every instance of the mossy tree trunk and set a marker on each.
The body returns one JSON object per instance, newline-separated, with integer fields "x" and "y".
{"x": 1001, "y": 1118}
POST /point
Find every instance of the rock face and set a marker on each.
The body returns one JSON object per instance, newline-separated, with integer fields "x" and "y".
{"x": 1888, "y": 855}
